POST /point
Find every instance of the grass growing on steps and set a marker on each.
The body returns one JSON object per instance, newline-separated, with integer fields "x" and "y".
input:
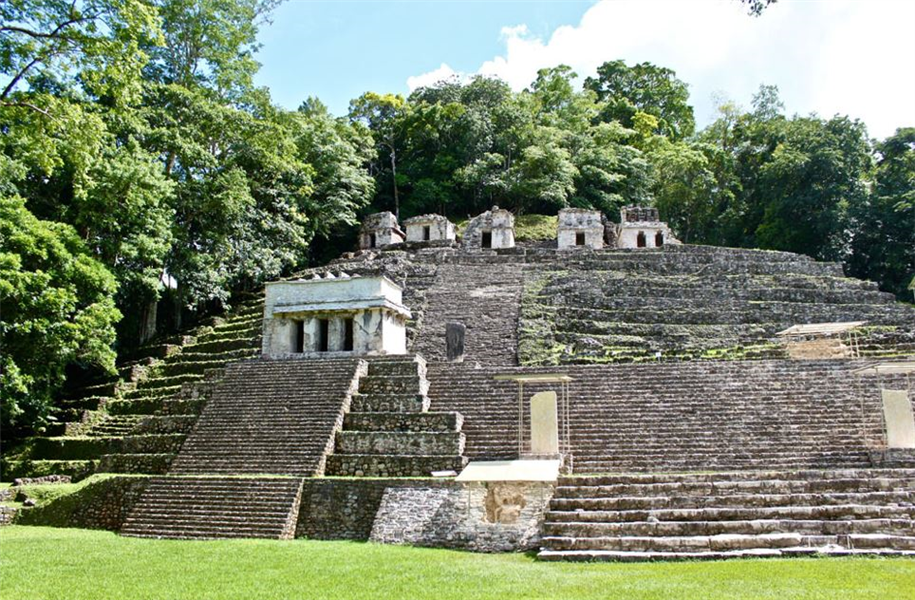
{"x": 528, "y": 228}
{"x": 47, "y": 563}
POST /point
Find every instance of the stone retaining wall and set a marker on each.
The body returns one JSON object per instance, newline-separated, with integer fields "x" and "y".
{"x": 102, "y": 504}
{"x": 484, "y": 517}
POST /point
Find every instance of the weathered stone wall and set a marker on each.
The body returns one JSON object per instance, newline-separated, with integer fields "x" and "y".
{"x": 485, "y": 517}
{"x": 498, "y": 222}
{"x": 102, "y": 504}
{"x": 575, "y": 221}
{"x": 440, "y": 228}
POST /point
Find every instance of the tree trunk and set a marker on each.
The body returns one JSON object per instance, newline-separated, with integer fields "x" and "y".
{"x": 394, "y": 179}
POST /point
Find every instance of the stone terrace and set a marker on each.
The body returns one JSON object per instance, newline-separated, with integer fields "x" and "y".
{"x": 689, "y": 416}
{"x": 537, "y": 306}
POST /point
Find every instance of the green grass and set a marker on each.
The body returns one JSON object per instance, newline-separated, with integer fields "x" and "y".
{"x": 37, "y": 562}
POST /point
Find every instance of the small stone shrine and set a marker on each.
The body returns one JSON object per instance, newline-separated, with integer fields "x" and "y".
{"x": 493, "y": 229}
{"x": 342, "y": 314}
{"x": 580, "y": 228}
{"x": 429, "y": 228}
{"x": 640, "y": 227}
{"x": 379, "y": 230}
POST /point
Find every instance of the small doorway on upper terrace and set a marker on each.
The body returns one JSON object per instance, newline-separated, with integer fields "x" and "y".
{"x": 486, "y": 239}
{"x": 640, "y": 240}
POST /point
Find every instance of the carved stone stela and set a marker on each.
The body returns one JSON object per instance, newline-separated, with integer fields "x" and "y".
{"x": 504, "y": 502}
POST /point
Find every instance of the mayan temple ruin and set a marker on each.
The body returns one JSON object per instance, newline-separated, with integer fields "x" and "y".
{"x": 612, "y": 394}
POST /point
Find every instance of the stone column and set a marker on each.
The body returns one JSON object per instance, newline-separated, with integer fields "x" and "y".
{"x": 335, "y": 334}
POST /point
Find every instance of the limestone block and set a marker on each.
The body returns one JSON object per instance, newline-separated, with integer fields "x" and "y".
{"x": 900, "y": 422}
{"x": 544, "y": 424}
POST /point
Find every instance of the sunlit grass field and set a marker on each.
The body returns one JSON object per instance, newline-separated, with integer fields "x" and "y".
{"x": 47, "y": 563}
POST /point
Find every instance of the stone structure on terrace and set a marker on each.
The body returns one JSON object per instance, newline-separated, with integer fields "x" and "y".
{"x": 379, "y": 230}
{"x": 490, "y": 230}
{"x": 640, "y": 227}
{"x": 336, "y": 314}
{"x": 429, "y": 228}
{"x": 580, "y": 228}
{"x": 612, "y": 404}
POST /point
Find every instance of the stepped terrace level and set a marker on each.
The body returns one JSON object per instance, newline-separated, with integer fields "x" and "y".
{"x": 687, "y": 416}
{"x": 535, "y": 305}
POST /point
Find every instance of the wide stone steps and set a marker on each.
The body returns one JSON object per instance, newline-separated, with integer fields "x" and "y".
{"x": 770, "y": 513}
{"x": 213, "y": 507}
{"x": 682, "y": 416}
{"x": 593, "y": 530}
{"x": 270, "y": 417}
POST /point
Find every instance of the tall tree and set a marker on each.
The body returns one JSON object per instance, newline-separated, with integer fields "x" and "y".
{"x": 57, "y": 309}
{"x": 644, "y": 88}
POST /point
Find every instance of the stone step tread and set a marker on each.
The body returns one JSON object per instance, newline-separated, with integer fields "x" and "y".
{"x": 624, "y": 556}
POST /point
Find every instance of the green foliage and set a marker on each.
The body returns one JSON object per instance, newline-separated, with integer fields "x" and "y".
{"x": 883, "y": 248}
{"x": 646, "y": 88}
{"x": 458, "y": 148}
{"x": 58, "y": 309}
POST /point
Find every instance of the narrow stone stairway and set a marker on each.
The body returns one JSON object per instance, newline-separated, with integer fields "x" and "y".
{"x": 724, "y": 515}
{"x": 389, "y": 431}
{"x": 216, "y": 507}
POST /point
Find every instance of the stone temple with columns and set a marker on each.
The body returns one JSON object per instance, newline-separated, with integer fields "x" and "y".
{"x": 611, "y": 394}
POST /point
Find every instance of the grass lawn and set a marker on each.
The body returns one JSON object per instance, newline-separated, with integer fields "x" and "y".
{"x": 46, "y": 563}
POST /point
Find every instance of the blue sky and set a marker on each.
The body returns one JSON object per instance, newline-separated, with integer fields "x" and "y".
{"x": 338, "y": 50}
{"x": 854, "y": 57}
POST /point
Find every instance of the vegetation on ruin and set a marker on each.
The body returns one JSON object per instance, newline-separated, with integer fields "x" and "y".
{"x": 37, "y": 562}
{"x": 142, "y": 187}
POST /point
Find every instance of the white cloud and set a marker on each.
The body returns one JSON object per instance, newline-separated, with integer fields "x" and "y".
{"x": 442, "y": 73}
{"x": 842, "y": 56}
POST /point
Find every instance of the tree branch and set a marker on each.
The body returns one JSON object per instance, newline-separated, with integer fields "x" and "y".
{"x": 29, "y": 106}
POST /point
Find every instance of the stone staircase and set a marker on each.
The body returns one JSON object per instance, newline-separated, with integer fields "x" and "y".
{"x": 114, "y": 425}
{"x": 216, "y": 507}
{"x": 270, "y": 417}
{"x": 723, "y": 515}
{"x": 716, "y": 415}
{"x": 388, "y": 431}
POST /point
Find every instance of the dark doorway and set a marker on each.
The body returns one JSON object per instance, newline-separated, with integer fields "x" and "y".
{"x": 580, "y": 239}
{"x": 323, "y": 328}
{"x": 300, "y": 336}
{"x": 659, "y": 239}
{"x": 640, "y": 240}
{"x": 371, "y": 240}
{"x": 427, "y": 233}
{"x": 486, "y": 241}
{"x": 348, "y": 335}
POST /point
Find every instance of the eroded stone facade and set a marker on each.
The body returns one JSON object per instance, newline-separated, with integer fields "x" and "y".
{"x": 380, "y": 230}
{"x": 640, "y": 227}
{"x": 580, "y": 228}
{"x": 429, "y": 228}
{"x": 493, "y": 229}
